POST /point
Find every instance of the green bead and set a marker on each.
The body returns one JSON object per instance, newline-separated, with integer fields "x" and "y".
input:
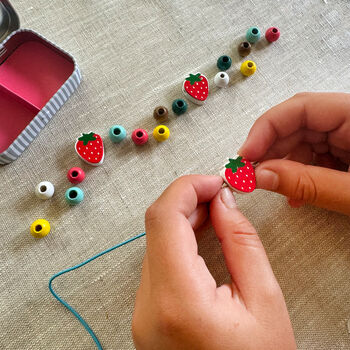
{"x": 253, "y": 35}
{"x": 117, "y": 133}
{"x": 224, "y": 62}
{"x": 74, "y": 195}
{"x": 179, "y": 106}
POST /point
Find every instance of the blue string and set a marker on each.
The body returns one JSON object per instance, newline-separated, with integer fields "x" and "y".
{"x": 70, "y": 308}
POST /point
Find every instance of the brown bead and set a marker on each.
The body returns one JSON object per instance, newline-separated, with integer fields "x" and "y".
{"x": 160, "y": 113}
{"x": 244, "y": 48}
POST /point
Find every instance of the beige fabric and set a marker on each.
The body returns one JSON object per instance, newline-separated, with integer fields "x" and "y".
{"x": 133, "y": 56}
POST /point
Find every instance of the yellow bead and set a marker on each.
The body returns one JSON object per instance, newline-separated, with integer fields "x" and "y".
{"x": 161, "y": 133}
{"x": 40, "y": 228}
{"x": 248, "y": 68}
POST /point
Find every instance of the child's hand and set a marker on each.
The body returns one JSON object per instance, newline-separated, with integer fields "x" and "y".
{"x": 309, "y": 128}
{"x": 179, "y": 305}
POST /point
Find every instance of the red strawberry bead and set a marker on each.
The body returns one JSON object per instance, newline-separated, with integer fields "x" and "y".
{"x": 239, "y": 174}
{"x": 196, "y": 88}
{"x": 90, "y": 148}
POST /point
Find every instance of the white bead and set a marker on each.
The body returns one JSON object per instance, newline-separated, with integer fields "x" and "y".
{"x": 221, "y": 79}
{"x": 44, "y": 190}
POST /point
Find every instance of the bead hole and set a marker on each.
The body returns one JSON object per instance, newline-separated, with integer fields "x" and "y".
{"x": 161, "y": 131}
{"x": 139, "y": 134}
{"x": 225, "y": 59}
{"x": 255, "y": 31}
{"x": 73, "y": 194}
{"x": 160, "y": 111}
{"x": 222, "y": 75}
{"x": 43, "y": 188}
{"x": 275, "y": 30}
{"x": 180, "y": 103}
{"x": 38, "y": 228}
{"x": 250, "y": 64}
{"x": 74, "y": 173}
{"x": 246, "y": 45}
{"x": 116, "y": 131}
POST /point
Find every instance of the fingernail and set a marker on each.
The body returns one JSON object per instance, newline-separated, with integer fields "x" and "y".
{"x": 267, "y": 179}
{"x": 227, "y": 198}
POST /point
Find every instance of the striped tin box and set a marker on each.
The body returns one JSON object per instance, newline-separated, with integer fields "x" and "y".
{"x": 36, "y": 79}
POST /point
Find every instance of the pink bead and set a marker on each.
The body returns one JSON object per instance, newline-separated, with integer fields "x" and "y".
{"x": 272, "y": 34}
{"x": 75, "y": 175}
{"x": 139, "y": 136}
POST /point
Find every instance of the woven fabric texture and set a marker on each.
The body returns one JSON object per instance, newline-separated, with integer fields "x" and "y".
{"x": 133, "y": 56}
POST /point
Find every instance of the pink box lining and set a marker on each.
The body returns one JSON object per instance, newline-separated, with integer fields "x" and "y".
{"x": 31, "y": 74}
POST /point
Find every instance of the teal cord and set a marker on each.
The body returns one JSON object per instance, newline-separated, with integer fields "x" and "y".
{"x": 70, "y": 308}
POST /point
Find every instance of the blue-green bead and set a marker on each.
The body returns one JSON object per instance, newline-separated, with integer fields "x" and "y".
{"x": 74, "y": 195}
{"x": 224, "y": 62}
{"x": 117, "y": 133}
{"x": 179, "y": 106}
{"x": 253, "y": 35}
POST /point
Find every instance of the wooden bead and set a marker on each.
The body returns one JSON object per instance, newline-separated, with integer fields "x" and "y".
{"x": 44, "y": 190}
{"x": 160, "y": 114}
{"x": 40, "y": 228}
{"x": 221, "y": 79}
{"x": 248, "y": 68}
{"x": 75, "y": 175}
{"x": 89, "y": 148}
{"x": 253, "y": 35}
{"x": 161, "y": 133}
{"x": 224, "y": 62}
{"x": 244, "y": 48}
{"x": 196, "y": 88}
{"x": 74, "y": 195}
{"x": 117, "y": 133}
{"x": 272, "y": 34}
{"x": 139, "y": 136}
{"x": 179, "y": 106}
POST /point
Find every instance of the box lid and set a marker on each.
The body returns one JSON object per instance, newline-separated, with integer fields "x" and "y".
{"x": 9, "y": 20}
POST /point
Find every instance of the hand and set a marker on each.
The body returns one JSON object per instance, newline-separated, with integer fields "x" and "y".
{"x": 309, "y": 128}
{"x": 179, "y": 305}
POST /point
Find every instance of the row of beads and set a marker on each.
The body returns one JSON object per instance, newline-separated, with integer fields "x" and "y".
{"x": 117, "y": 134}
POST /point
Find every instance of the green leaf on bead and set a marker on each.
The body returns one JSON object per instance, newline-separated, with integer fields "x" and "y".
{"x": 87, "y": 137}
{"x": 234, "y": 164}
{"x": 193, "y": 78}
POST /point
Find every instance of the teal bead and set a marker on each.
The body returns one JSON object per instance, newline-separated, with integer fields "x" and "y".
{"x": 253, "y": 35}
{"x": 224, "y": 62}
{"x": 179, "y": 106}
{"x": 74, "y": 195}
{"x": 117, "y": 133}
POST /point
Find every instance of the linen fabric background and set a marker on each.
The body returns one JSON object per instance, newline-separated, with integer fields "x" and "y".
{"x": 134, "y": 56}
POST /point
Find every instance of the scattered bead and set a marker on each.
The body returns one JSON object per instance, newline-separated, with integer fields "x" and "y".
{"x": 179, "y": 106}
{"x": 74, "y": 195}
{"x": 196, "y": 88}
{"x": 244, "y": 48}
{"x": 272, "y": 34}
{"x": 224, "y": 62}
{"x": 221, "y": 79}
{"x": 117, "y": 133}
{"x": 161, "y": 133}
{"x": 139, "y": 136}
{"x": 160, "y": 114}
{"x": 44, "y": 190}
{"x": 90, "y": 148}
{"x": 76, "y": 175}
{"x": 253, "y": 35}
{"x": 248, "y": 68}
{"x": 40, "y": 228}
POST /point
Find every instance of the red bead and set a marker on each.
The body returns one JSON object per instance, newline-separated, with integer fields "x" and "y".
{"x": 272, "y": 34}
{"x": 139, "y": 136}
{"x": 75, "y": 175}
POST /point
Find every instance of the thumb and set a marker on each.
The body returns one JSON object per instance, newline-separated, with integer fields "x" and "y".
{"x": 244, "y": 253}
{"x": 325, "y": 188}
